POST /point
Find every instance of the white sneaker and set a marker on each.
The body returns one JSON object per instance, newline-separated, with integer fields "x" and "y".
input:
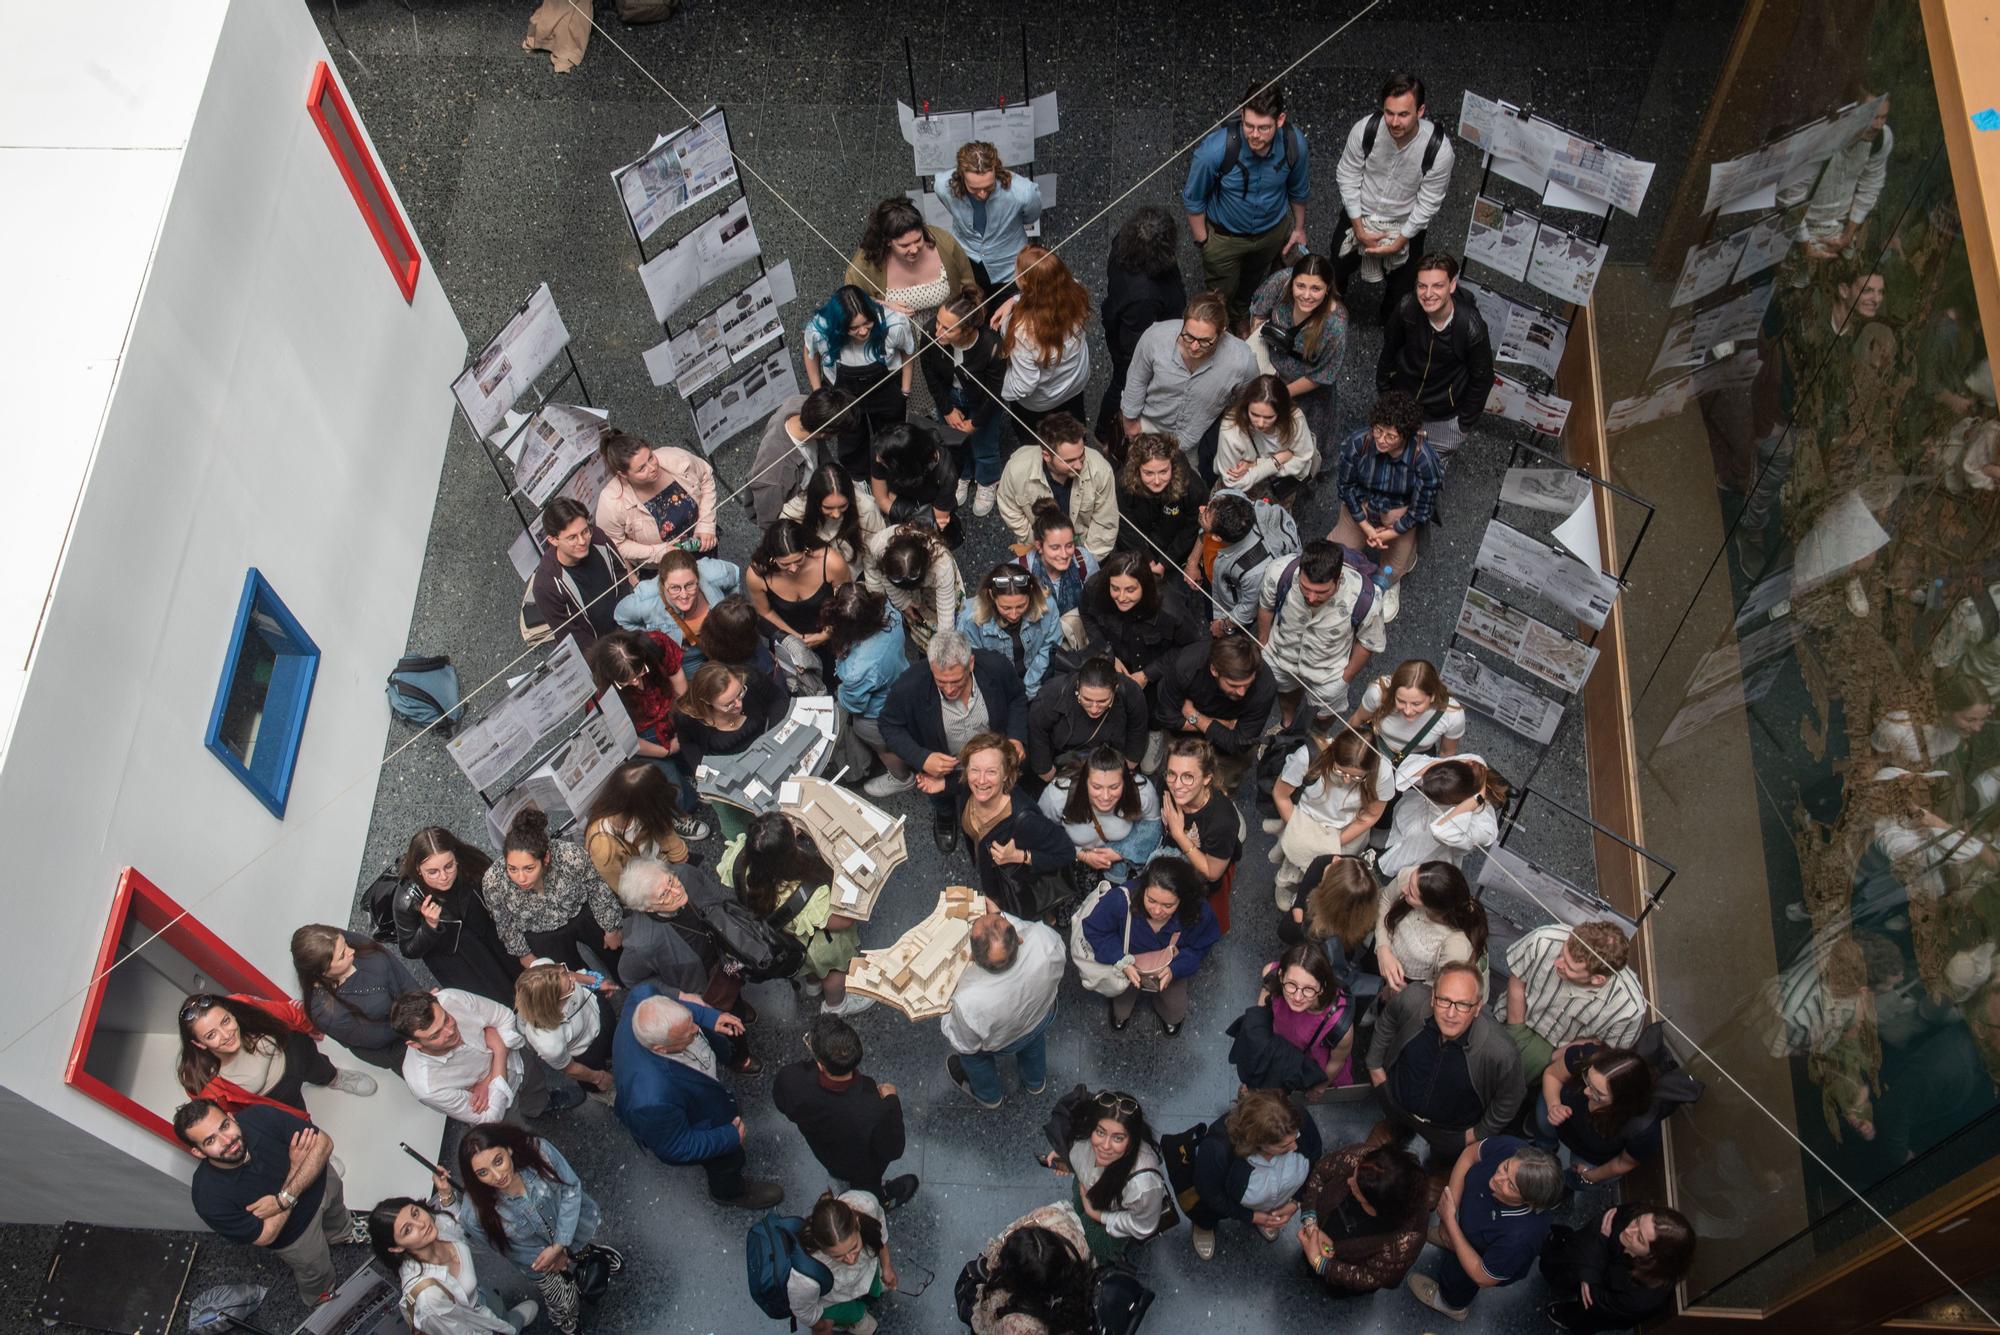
{"x": 985, "y": 499}
{"x": 522, "y": 1314}
{"x": 1273, "y": 825}
{"x": 865, "y": 1326}
{"x": 964, "y": 490}
{"x": 851, "y": 1004}
{"x": 1857, "y": 596}
{"x": 354, "y": 1082}
{"x": 888, "y": 785}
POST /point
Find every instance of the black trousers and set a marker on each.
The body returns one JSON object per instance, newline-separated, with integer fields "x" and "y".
{"x": 725, "y": 1175}
{"x": 565, "y": 944}
{"x": 1401, "y": 280}
{"x": 305, "y": 1065}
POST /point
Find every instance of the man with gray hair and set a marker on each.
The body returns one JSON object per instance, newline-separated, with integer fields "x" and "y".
{"x": 1492, "y": 1221}
{"x": 667, "y": 942}
{"x": 936, "y": 707}
{"x": 667, "y": 1061}
{"x": 1004, "y": 1005}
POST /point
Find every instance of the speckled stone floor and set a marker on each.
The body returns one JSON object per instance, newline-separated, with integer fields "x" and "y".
{"x": 503, "y": 168}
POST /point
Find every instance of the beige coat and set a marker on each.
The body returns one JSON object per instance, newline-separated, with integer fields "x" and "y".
{"x": 623, "y": 515}
{"x": 1093, "y": 498}
{"x": 1235, "y": 446}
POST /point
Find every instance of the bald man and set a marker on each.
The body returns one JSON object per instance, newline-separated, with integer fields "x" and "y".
{"x": 1004, "y": 1005}
{"x": 668, "y": 1061}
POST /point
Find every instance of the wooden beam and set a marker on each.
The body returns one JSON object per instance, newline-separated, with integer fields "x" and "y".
{"x": 1964, "y": 41}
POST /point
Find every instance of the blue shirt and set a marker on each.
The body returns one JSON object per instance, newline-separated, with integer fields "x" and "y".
{"x": 1257, "y": 192}
{"x": 1027, "y": 646}
{"x": 1507, "y": 1237}
{"x": 1374, "y": 483}
{"x": 868, "y": 669}
{"x": 992, "y": 232}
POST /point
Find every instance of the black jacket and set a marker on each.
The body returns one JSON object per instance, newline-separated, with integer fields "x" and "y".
{"x": 1174, "y": 529}
{"x": 1221, "y": 1176}
{"x": 463, "y": 950}
{"x": 1141, "y": 643}
{"x": 912, "y": 719}
{"x": 1265, "y": 1061}
{"x": 855, "y": 1132}
{"x": 555, "y": 594}
{"x": 1058, "y": 728}
{"x": 1134, "y": 303}
{"x": 1618, "y": 1301}
{"x": 655, "y": 951}
{"x": 1449, "y": 373}
{"x": 1238, "y": 723}
{"x": 1048, "y": 847}
{"x": 983, "y": 363}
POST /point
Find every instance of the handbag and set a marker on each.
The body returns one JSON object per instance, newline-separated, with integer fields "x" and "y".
{"x": 764, "y": 950}
{"x": 1107, "y": 980}
{"x": 1153, "y": 966}
{"x": 965, "y": 1289}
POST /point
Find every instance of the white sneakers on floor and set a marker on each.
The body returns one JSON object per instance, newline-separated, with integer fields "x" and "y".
{"x": 851, "y": 1004}
{"x": 888, "y": 785}
{"x": 986, "y": 498}
{"x": 356, "y": 1083}
{"x": 964, "y": 490}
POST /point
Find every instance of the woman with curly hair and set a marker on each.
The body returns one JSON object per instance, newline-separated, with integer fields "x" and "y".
{"x": 1034, "y": 1279}
{"x": 1159, "y": 502}
{"x": 909, "y": 267}
{"x": 854, "y": 342}
{"x": 1142, "y": 286}
{"x": 1048, "y": 358}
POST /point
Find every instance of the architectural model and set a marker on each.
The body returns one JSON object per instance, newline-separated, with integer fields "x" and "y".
{"x": 919, "y": 973}
{"x": 750, "y": 779}
{"x": 860, "y": 841}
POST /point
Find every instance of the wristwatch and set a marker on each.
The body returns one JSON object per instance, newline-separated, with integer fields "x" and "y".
{"x": 286, "y": 1199}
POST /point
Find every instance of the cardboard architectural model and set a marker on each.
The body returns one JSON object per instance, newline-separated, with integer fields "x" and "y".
{"x": 859, "y": 840}
{"x": 750, "y": 779}
{"x": 919, "y": 973}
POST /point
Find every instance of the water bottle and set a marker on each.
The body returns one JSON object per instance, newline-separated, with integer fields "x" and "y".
{"x": 1384, "y": 577}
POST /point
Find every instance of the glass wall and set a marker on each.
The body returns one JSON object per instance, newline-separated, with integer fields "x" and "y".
{"x": 1814, "y": 649}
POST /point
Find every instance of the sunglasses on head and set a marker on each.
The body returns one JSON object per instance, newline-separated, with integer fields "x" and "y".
{"x": 1119, "y": 1105}
{"x": 1010, "y": 577}
{"x": 195, "y": 1005}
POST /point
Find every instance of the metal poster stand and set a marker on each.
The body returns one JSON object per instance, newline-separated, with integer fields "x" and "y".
{"x": 924, "y": 109}
{"x": 541, "y": 398}
{"x": 1511, "y": 821}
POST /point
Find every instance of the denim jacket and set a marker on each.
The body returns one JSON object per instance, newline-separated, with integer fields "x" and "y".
{"x": 645, "y": 609}
{"x": 868, "y": 669}
{"x": 1038, "y": 640}
{"x": 551, "y": 1211}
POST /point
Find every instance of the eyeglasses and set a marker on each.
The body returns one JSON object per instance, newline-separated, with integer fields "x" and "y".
{"x": 205, "y": 1001}
{"x": 1450, "y": 1007}
{"x": 1301, "y": 989}
{"x": 1194, "y": 342}
{"x": 1011, "y": 578}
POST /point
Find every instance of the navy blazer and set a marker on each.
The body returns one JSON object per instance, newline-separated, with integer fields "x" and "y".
{"x": 672, "y": 1109}
{"x": 912, "y": 719}
{"x": 1221, "y": 1176}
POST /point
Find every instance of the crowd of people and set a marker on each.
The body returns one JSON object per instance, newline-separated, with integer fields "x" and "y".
{"x": 1082, "y": 722}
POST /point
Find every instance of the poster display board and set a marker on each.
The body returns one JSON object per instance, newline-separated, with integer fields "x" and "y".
{"x": 536, "y": 705}
{"x": 1564, "y": 264}
{"x": 1500, "y": 238}
{"x": 747, "y": 402}
{"x": 525, "y": 347}
{"x": 1512, "y": 556}
{"x": 1556, "y": 490}
{"x": 1543, "y": 413}
{"x": 935, "y": 138}
{"x": 1571, "y": 171}
{"x": 1509, "y": 703}
{"x": 679, "y": 170}
{"x": 1507, "y": 871}
{"x": 1559, "y": 659}
{"x": 1750, "y": 182}
{"x": 1523, "y": 334}
{"x": 701, "y": 257}
{"x": 725, "y": 336}
{"x": 558, "y": 438}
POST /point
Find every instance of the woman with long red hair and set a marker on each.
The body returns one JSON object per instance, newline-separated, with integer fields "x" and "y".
{"x": 1048, "y": 359}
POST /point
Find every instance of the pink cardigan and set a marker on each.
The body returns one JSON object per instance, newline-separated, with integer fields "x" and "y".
{"x": 622, "y": 515}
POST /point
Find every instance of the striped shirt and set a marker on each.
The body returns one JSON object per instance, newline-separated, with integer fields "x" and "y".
{"x": 1562, "y": 1011}
{"x": 1374, "y": 483}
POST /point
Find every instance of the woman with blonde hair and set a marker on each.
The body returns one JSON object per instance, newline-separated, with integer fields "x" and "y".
{"x": 1011, "y": 616}
{"x": 1409, "y": 711}
{"x": 1335, "y": 908}
{"x": 1265, "y": 447}
{"x": 1328, "y": 799}
{"x": 1048, "y": 358}
{"x": 568, "y": 1023}
{"x": 991, "y": 209}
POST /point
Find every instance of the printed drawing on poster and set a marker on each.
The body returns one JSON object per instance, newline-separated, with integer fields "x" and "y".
{"x": 1543, "y": 413}
{"x": 1556, "y": 490}
{"x": 1565, "y": 265}
{"x": 1559, "y": 659}
{"x": 1508, "y": 554}
{"x": 680, "y": 169}
{"x": 505, "y": 368}
{"x": 1501, "y": 698}
{"x": 1500, "y": 238}
{"x": 558, "y": 438}
{"x": 935, "y": 140}
{"x": 746, "y": 401}
{"x": 1708, "y": 268}
{"x": 699, "y": 258}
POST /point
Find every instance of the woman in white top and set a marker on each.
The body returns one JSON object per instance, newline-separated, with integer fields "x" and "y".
{"x": 1119, "y": 1183}
{"x": 911, "y": 567}
{"x": 564, "y": 1021}
{"x": 1411, "y": 713}
{"x": 1328, "y": 799}
{"x": 1963, "y": 709}
{"x": 1909, "y": 847}
{"x": 1447, "y": 808}
{"x": 428, "y": 1253}
{"x": 1427, "y": 919}
{"x": 839, "y": 520}
{"x": 849, "y": 1236}
{"x": 1048, "y": 358}
{"x": 1265, "y": 447}
{"x": 1114, "y": 820}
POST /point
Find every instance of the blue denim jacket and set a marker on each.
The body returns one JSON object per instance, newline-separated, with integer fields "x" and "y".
{"x": 645, "y": 609}
{"x": 1038, "y": 641}
{"x": 558, "y": 1211}
{"x": 1008, "y": 212}
{"x": 870, "y": 668}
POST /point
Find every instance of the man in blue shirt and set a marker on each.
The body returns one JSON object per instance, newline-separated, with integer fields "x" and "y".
{"x": 1389, "y": 481}
{"x": 1492, "y": 1221}
{"x": 1246, "y": 197}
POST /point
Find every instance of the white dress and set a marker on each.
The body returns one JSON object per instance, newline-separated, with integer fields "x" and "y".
{"x": 1426, "y": 832}
{"x": 453, "y": 1304}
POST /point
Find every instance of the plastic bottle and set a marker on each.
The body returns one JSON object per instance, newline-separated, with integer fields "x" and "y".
{"x": 1384, "y": 577}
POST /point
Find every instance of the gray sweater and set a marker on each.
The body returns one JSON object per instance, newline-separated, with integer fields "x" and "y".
{"x": 1490, "y": 1056}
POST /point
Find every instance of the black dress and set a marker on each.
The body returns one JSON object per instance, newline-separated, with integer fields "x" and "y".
{"x": 802, "y": 615}
{"x": 463, "y": 950}
{"x": 1148, "y": 526}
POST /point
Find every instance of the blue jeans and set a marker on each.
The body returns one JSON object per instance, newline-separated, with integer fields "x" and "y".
{"x": 1031, "y": 1057}
{"x": 1133, "y": 851}
{"x": 984, "y": 446}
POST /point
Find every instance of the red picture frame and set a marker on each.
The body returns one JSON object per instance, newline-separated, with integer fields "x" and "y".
{"x": 351, "y": 154}
{"x": 138, "y": 898}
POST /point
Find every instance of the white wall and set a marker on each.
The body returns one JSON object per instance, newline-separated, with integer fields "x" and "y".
{"x": 278, "y": 404}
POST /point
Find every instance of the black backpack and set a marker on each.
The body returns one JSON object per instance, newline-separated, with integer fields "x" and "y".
{"x": 1430, "y": 145}
{"x": 380, "y": 900}
{"x": 1288, "y": 135}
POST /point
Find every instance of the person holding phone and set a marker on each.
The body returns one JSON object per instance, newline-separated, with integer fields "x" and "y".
{"x": 1158, "y": 932}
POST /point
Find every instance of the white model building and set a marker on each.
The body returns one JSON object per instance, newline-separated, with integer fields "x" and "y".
{"x": 232, "y": 362}
{"x": 859, "y": 840}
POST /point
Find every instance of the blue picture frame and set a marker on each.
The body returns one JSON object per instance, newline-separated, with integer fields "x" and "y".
{"x": 288, "y": 662}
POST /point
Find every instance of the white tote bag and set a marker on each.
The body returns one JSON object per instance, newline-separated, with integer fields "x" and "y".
{"x": 1107, "y": 980}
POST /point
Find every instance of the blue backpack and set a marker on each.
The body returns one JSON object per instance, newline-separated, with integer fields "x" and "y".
{"x": 772, "y": 1251}
{"x": 424, "y": 691}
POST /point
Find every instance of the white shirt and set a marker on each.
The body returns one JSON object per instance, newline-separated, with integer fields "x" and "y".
{"x": 1389, "y": 190}
{"x": 1116, "y": 827}
{"x": 1140, "y": 1205}
{"x": 991, "y": 1010}
{"x": 451, "y": 1305}
{"x": 1426, "y": 832}
{"x": 1273, "y": 1181}
{"x": 444, "y": 1083}
{"x": 572, "y": 1036}
{"x": 849, "y": 1281}
{"x": 1396, "y": 731}
{"x": 1330, "y": 801}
